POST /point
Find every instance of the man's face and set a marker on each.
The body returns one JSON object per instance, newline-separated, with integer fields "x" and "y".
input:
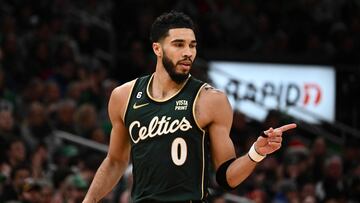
{"x": 20, "y": 176}
{"x": 178, "y": 53}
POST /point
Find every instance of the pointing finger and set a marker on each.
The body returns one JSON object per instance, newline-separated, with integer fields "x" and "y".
{"x": 287, "y": 127}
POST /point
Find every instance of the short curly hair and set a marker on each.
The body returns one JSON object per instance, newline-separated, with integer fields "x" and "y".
{"x": 169, "y": 20}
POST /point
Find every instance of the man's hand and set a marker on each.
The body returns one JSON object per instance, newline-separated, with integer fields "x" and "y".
{"x": 271, "y": 140}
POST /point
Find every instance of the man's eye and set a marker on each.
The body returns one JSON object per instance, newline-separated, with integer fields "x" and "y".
{"x": 178, "y": 44}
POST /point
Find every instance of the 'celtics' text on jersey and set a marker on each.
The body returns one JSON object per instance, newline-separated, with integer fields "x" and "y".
{"x": 168, "y": 150}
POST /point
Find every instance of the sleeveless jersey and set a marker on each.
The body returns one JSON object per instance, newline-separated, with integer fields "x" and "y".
{"x": 168, "y": 152}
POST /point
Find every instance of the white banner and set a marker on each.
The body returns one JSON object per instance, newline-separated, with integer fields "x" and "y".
{"x": 304, "y": 91}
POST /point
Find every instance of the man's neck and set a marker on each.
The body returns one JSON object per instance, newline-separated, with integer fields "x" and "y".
{"x": 163, "y": 87}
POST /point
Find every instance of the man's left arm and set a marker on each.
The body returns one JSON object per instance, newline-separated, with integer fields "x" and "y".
{"x": 231, "y": 171}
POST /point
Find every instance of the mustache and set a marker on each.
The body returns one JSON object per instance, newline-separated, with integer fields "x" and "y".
{"x": 185, "y": 60}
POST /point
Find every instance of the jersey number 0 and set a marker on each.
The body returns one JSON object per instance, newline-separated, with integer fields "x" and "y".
{"x": 178, "y": 151}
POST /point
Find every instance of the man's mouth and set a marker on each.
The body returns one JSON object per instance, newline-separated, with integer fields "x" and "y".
{"x": 185, "y": 63}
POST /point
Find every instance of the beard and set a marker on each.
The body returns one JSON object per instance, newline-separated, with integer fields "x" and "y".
{"x": 170, "y": 68}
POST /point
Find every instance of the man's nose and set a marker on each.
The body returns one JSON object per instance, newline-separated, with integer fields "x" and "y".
{"x": 187, "y": 52}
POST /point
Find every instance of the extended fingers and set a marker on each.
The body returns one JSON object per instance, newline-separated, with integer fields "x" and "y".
{"x": 272, "y": 133}
{"x": 278, "y": 131}
{"x": 287, "y": 127}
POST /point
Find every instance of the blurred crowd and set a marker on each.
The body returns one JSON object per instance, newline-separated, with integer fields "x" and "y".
{"x": 60, "y": 60}
{"x": 317, "y": 28}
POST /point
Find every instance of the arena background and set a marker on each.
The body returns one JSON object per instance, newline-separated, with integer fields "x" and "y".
{"x": 60, "y": 60}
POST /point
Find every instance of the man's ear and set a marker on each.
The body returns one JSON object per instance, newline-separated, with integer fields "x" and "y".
{"x": 157, "y": 48}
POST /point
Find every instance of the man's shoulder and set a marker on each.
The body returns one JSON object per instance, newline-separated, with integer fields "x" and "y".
{"x": 211, "y": 97}
{"x": 210, "y": 92}
{"x": 119, "y": 98}
{"x": 123, "y": 90}
{"x": 210, "y": 104}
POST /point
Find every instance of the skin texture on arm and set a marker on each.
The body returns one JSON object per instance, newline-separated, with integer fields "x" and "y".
{"x": 117, "y": 159}
{"x": 215, "y": 114}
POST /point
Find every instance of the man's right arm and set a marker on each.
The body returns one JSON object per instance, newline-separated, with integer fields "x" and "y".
{"x": 117, "y": 159}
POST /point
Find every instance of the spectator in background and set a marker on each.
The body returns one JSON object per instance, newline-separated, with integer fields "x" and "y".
{"x": 72, "y": 190}
{"x": 36, "y": 128}
{"x": 8, "y": 130}
{"x": 351, "y": 154}
{"x": 8, "y": 125}
{"x": 31, "y": 191}
{"x": 40, "y": 160}
{"x": 257, "y": 195}
{"x": 353, "y": 183}
{"x": 64, "y": 73}
{"x": 66, "y": 52}
{"x": 93, "y": 90}
{"x": 332, "y": 187}
{"x": 318, "y": 154}
{"x": 65, "y": 158}
{"x": 90, "y": 77}
{"x": 138, "y": 61}
{"x": 5, "y": 171}
{"x": 14, "y": 57}
{"x": 98, "y": 135}
{"x": 8, "y": 98}
{"x": 34, "y": 91}
{"x": 85, "y": 119}
{"x": 107, "y": 87}
{"x": 218, "y": 198}
{"x": 268, "y": 176}
{"x": 16, "y": 152}
{"x": 76, "y": 188}
{"x": 47, "y": 192}
{"x": 52, "y": 94}
{"x": 307, "y": 192}
{"x": 88, "y": 164}
{"x": 82, "y": 36}
{"x": 75, "y": 91}
{"x": 296, "y": 161}
{"x": 287, "y": 192}
{"x": 240, "y": 133}
{"x": 13, "y": 187}
{"x": 58, "y": 181}
{"x": 64, "y": 117}
{"x": 39, "y": 60}
{"x": 351, "y": 169}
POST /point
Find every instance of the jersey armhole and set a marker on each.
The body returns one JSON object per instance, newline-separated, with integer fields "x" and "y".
{"x": 129, "y": 98}
{"x": 194, "y": 105}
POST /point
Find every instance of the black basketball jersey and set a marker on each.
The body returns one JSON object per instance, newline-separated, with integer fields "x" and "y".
{"x": 168, "y": 153}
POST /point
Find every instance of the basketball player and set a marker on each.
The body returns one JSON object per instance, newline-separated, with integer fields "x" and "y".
{"x": 168, "y": 123}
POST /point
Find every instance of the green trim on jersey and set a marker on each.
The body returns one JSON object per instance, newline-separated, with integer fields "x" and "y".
{"x": 169, "y": 150}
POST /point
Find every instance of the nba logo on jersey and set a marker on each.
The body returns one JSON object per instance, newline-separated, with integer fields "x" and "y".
{"x": 139, "y": 94}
